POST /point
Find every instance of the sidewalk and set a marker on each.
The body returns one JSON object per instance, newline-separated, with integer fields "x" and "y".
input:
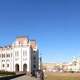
{"x": 25, "y": 77}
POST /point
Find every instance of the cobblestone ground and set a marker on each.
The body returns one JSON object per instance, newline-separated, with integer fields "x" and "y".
{"x": 25, "y": 77}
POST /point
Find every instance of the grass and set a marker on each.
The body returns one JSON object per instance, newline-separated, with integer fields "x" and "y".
{"x": 63, "y": 76}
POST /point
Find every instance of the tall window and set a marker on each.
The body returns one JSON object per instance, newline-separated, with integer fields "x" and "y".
{"x": 34, "y": 66}
{"x": 2, "y": 55}
{"x": 11, "y": 54}
{"x": 3, "y": 65}
{"x": 34, "y": 58}
{"x": 24, "y": 53}
{"x": 16, "y": 53}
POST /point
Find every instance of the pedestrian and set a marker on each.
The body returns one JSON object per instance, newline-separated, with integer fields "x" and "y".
{"x": 40, "y": 75}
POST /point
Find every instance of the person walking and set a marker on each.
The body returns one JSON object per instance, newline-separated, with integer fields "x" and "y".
{"x": 40, "y": 75}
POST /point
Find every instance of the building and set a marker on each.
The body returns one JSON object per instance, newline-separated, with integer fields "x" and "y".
{"x": 21, "y": 55}
{"x": 51, "y": 67}
{"x": 73, "y": 66}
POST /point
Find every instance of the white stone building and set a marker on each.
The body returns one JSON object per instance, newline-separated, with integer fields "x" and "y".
{"x": 74, "y": 65}
{"x": 22, "y": 55}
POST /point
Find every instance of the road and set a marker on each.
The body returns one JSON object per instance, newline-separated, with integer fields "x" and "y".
{"x": 24, "y": 77}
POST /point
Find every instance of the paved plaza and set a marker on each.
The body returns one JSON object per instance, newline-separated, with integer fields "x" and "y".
{"x": 25, "y": 77}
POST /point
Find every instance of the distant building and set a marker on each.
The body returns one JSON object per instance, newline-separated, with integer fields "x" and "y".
{"x": 51, "y": 67}
{"x": 74, "y": 65}
{"x": 22, "y": 55}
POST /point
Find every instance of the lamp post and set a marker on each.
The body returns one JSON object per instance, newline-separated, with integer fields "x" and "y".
{"x": 40, "y": 63}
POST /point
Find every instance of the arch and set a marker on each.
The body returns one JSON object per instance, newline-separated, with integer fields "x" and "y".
{"x": 17, "y": 68}
{"x": 24, "y": 67}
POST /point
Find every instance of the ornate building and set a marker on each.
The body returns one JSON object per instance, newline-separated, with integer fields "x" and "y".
{"x": 22, "y": 55}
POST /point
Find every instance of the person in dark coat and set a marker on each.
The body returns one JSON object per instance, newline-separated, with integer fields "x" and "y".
{"x": 40, "y": 75}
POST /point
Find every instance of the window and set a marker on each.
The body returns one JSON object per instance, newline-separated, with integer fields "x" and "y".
{"x": 11, "y": 54}
{"x": 7, "y": 65}
{"x": 3, "y": 60}
{"x": 34, "y": 61}
{"x": 34, "y": 66}
{"x": 7, "y": 55}
{"x": 24, "y": 53}
{"x": 3, "y": 65}
{"x": 34, "y": 51}
{"x": 16, "y": 53}
{"x": 34, "y": 58}
{"x": 2, "y": 55}
{"x": 7, "y": 60}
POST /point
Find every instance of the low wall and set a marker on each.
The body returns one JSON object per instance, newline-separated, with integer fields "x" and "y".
{"x": 11, "y": 76}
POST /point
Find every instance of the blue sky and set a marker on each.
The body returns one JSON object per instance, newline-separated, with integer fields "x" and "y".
{"x": 55, "y": 24}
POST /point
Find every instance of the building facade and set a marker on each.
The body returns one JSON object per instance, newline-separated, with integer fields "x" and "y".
{"x": 21, "y": 55}
{"x": 73, "y": 66}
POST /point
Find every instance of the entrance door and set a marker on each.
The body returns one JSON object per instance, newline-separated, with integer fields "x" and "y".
{"x": 24, "y": 67}
{"x": 17, "y": 68}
